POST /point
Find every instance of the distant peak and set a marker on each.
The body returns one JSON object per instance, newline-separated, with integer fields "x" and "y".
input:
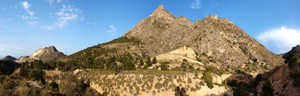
{"x": 161, "y": 12}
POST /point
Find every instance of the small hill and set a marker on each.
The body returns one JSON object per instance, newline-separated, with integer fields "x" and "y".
{"x": 8, "y": 57}
{"x": 44, "y": 54}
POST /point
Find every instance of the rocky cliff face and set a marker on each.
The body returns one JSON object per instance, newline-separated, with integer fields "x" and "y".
{"x": 44, "y": 54}
{"x": 217, "y": 37}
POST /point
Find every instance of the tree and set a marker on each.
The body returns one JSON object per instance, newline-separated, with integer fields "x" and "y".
{"x": 141, "y": 62}
{"x": 293, "y": 61}
{"x": 148, "y": 62}
{"x": 257, "y": 79}
{"x": 154, "y": 61}
{"x": 267, "y": 88}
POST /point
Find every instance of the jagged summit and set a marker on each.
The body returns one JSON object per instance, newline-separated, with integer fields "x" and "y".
{"x": 161, "y": 12}
{"x": 45, "y": 54}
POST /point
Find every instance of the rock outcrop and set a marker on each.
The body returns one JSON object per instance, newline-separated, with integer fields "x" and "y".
{"x": 44, "y": 54}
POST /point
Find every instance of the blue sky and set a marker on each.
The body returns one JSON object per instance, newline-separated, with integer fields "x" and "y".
{"x": 72, "y": 25}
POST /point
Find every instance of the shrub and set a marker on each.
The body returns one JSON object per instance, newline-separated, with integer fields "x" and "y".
{"x": 240, "y": 91}
{"x": 207, "y": 77}
{"x": 36, "y": 74}
{"x": 163, "y": 66}
{"x": 53, "y": 86}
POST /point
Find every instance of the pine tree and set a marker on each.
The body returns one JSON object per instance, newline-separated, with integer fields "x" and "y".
{"x": 141, "y": 62}
{"x": 154, "y": 61}
{"x": 267, "y": 88}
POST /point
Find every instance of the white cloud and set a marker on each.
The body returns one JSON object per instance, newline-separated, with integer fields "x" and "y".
{"x": 112, "y": 30}
{"x": 52, "y": 2}
{"x": 47, "y": 27}
{"x": 281, "y": 39}
{"x": 33, "y": 23}
{"x": 196, "y": 4}
{"x": 27, "y": 17}
{"x": 26, "y": 6}
{"x": 67, "y": 14}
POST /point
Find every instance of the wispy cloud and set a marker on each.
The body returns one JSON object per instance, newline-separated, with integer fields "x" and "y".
{"x": 282, "y": 39}
{"x": 47, "y": 27}
{"x": 67, "y": 14}
{"x": 27, "y": 17}
{"x": 51, "y": 2}
{"x": 112, "y": 30}
{"x": 196, "y": 4}
{"x": 33, "y": 23}
{"x": 26, "y": 6}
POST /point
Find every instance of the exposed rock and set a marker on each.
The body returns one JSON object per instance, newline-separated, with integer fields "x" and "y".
{"x": 44, "y": 54}
{"x": 8, "y": 57}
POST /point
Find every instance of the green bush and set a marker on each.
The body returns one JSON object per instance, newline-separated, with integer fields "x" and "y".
{"x": 37, "y": 74}
{"x": 163, "y": 66}
{"x": 53, "y": 86}
{"x": 240, "y": 91}
{"x": 207, "y": 77}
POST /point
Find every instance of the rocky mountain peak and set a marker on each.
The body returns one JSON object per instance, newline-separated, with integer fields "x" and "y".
{"x": 45, "y": 54}
{"x": 161, "y": 12}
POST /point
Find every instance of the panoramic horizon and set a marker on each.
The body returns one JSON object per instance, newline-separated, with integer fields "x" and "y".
{"x": 71, "y": 26}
